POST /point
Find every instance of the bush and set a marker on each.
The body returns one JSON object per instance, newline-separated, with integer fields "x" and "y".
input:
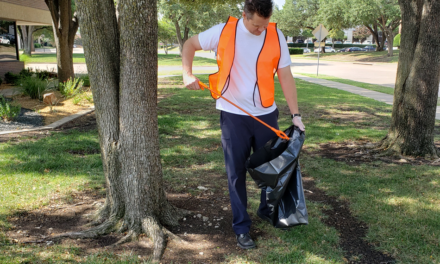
{"x": 70, "y": 88}
{"x": 25, "y": 73}
{"x": 11, "y": 78}
{"x": 295, "y": 51}
{"x": 85, "y": 79}
{"x": 8, "y": 112}
{"x": 33, "y": 87}
{"x": 396, "y": 41}
{"x": 37, "y": 45}
{"x": 1, "y": 81}
{"x": 44, "y": 75}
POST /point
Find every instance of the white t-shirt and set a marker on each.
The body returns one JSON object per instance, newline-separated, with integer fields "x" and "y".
{"x": 243, "y": 73}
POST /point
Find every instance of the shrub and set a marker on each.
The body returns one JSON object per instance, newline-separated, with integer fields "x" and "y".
{"x": 8, "y": 112}
{"x": 70, "y": 88}
{"x": 295, "y": 51}
{"x": 11, "y": 78}
{"x": 44, "y": 75}
{"x": 1, "y": 81}
{"x": 37, "y": 45}
{"x": 85, "y": 78}
{"x": 33, "y": 87}
{"x": 25, "y": 73}
{"x": 396, "y": 41}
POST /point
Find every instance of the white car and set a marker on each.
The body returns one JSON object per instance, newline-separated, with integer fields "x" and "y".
{"x": 328, "y": 42}
{"x": 366, "y": 42}
{"x": 356, "y": 42}
{"x": 327, "y": 50}
{"x": 306, "y": 50}
{"x": 4, "y": 40}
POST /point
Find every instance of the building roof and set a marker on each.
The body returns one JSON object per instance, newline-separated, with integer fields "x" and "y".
{"x": 25, "y": 12}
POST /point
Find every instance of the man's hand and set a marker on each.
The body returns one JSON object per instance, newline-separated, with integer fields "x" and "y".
{"x": 297, "y": 122}
{"x": 190, "y": 81}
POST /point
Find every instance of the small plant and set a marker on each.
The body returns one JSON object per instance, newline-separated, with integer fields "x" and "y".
{"x": 34, "y": 87}
{"x": 8, "y": 112}
{"x": 83, "y": 96}
{"x": 71, "y": 87}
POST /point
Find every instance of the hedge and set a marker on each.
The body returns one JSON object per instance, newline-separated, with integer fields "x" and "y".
{"x": 37, "y": 45}
{"x": 295, "y": 51}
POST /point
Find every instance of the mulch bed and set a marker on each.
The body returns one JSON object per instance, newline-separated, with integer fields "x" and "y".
{"x": 206, "y": 242}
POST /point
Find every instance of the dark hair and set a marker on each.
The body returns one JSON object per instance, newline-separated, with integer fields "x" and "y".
{"x": 262, "y": 7}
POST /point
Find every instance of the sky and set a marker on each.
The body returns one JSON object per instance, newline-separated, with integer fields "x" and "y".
{"x": 279, "y": 3}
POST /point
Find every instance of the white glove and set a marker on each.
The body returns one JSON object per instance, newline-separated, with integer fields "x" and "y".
{"x": 297, "y": 122}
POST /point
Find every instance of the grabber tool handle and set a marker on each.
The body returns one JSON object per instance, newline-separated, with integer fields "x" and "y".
{"x": 279, "y": 133}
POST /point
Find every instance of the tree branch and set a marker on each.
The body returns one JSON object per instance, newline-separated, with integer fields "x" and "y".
{"x": 54, "y": 12}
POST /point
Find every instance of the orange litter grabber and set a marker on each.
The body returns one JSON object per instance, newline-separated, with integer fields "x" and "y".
{"x": 279, "y": 133}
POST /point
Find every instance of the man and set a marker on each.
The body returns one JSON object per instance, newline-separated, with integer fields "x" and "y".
{"x": 249, "y": 52}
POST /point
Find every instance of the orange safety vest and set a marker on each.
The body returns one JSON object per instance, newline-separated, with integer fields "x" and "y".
{"x": 267, "y": 62}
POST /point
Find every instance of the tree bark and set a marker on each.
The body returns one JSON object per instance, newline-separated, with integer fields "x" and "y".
{"x": 373, "y": 30}
{"x": 417, "y": 83}
{"x": 64, "y": 27}
{"x": 122, "y": 64}
{"x": 26, "y": 32}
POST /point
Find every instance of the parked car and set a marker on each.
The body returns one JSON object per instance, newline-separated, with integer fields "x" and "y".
{"x": 366, "y": 42}
{"x": 357, "y": 42}
{"x": 342, "y": 50}
{"x": 4, "y": 40}
{"x": 338, "y": 42}
{"x": 369, "y": 48}
{"x": 328, "y": 42}
{"x": 306, "y": 50}
{"x": 299, "y": 41}
{"x": 347, "y": 42}
{"x": 308, "y": 41}
{"x": 327, "y": 50}
{"x": 353, "y": 49}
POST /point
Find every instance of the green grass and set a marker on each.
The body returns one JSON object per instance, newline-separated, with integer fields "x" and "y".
{"x": 400, "y": 203}
{"x": 368, "y": 86}
{"x": 163, "y": 60}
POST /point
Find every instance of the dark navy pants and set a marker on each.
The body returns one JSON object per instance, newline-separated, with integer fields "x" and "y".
{"x": 240, "y": 134}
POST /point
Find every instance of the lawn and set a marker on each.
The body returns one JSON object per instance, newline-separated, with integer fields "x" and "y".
{"x": 399, "y": 202}
{"x": 163, "y": 60}
{"x": 368, "y": 86}
{"x": 362, "y": 57}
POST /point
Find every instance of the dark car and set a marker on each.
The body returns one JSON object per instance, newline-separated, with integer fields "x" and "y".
{"x": 299, "y": 41}
{"x": 352, "y": 49}
{"x": 342, "y": 50}
{"x": 369, "y": 48}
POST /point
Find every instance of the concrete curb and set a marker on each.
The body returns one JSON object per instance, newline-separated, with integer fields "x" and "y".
{"x": 54, "y": 125}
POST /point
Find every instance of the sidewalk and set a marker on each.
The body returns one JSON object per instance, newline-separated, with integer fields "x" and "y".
{"x": 385, "y": 98}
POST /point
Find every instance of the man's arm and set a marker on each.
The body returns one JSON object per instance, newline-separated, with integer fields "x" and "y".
{"x": 289, "y": 89}
{"x": 188, "y": 52}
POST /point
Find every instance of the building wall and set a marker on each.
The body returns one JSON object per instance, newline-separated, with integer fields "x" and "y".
{"x": 10, "y": 66}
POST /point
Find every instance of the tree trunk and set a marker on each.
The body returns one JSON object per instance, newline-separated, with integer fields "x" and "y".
{"x": 122, "y": 64}
{"x": 390, "y": 37}
{"x": 27, "y": 39}
{"x": 417, "y": 83}
{"x": 373, "y": 30}
{"x": 64, "y": 28}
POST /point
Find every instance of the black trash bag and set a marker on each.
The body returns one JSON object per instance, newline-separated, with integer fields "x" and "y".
{"x": 275, "y": 167}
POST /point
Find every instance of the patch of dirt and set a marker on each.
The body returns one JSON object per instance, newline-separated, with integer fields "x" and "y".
{"x": 362, "y": 151}
{"x": 208, "y": 240}
{"x": 351, "y": 230}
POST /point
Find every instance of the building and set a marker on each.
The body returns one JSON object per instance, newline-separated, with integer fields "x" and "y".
{"x": 12, "y": 14}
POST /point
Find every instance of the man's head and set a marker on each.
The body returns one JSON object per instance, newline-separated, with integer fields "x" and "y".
{"x": 256, "y": 15}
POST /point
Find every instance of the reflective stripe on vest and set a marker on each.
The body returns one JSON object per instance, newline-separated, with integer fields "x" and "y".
{"x": 267, "y": 62}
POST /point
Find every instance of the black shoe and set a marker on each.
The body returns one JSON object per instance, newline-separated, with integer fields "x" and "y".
{"x": 245, "y": 241}
{"x": 263, "y": 216}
